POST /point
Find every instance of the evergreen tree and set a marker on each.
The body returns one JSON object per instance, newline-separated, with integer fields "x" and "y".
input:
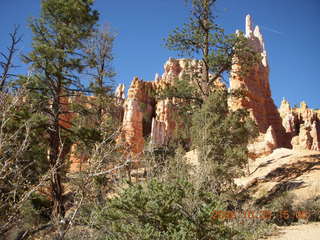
{"x": 56, "y": 61}
{"x": 202, "y": 38}
{"x": 99, "y": 51}
{"x": 221, "y": 137}
{"x": 219, "y": 134}
{"x": 159, "y": 210}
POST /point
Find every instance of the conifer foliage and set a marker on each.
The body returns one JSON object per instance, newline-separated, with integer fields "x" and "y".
{"x": 219, "y": 134}
{"x": 161, "y": 210}
{"x": 204, "y": 39}
{"x": 221, "y": 137}
{"x": 56, "y": 60}
{"x": 50, "y": 113}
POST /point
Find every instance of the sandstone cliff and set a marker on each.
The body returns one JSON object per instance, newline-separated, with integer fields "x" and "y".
{"x": 144, "y": 115}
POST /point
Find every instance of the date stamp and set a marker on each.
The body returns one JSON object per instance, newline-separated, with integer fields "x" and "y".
{"x": 261, "y": 215}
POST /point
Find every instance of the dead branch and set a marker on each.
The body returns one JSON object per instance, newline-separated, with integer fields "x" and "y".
{"x": 7, "y": 58}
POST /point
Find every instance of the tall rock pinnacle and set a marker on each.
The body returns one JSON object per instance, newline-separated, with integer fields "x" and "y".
{"x": 249, "y": 27}
{"x": 256, "y": 39}
{"x": 258, "y": 101}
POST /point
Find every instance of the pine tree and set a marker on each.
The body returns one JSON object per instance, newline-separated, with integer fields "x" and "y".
{"x": 160, "y": 210}
{"x": 56, "y": 61}
{"x": 221, "y": 137}
{"x": 219, "y": 134}
{"x": 101, "y": 114}
{"x": 99, "y": 50}
{"x": 202, "y": 38}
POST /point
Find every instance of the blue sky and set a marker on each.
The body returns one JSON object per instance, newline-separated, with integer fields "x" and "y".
{"x": 290, "y": 27}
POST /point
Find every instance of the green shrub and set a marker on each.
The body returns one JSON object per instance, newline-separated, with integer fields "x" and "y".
{"x": 36, "y": 211}
{"x": 162, "y": 210}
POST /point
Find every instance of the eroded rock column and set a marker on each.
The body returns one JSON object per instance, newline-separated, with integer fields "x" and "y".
{"x": 258, "y": 100}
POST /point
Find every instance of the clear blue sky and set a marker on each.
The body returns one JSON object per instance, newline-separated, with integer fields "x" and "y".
{"x": 290, "y": 27}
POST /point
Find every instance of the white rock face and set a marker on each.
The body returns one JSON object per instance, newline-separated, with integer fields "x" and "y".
{"x": 249, "y": 26}
{"x": 315, "y": 134}
{"x": 120, "y": 91}
{"x": 256, "y": 39}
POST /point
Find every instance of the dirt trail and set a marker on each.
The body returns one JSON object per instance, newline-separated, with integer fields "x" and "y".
{"x": 310, "y": 231}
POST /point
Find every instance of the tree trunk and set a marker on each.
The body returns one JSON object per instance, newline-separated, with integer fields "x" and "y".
{"x": 206, "y": 29}
{"x": 56, "y": 164}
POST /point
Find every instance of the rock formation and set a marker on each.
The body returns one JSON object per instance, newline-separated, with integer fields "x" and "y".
{"x": 315, "y": 135}
{"x": 144, "y": 115}
{"x": 264, "y": 144}
{"x": 289, "y": 119}
{"x": 303, "y": 140}
{"x": 302, "y": 125}
{"x": 258, "y": 95}
{"x": 163, "y": 124}
{"x": 119, "y": 93}
{"x": 138, "y": 111}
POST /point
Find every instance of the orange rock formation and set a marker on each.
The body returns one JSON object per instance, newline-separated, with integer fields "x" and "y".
{"x": 258, "y": 100}
{"x": 145, "y": 116}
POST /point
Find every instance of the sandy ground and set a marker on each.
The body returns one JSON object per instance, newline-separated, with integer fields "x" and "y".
{"x": 310, "y": 231}
{"x": 299, "y": 167}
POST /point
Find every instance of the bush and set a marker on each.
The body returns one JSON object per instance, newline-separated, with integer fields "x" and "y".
{"x": 252, "y": 229}
{"x": 283, "y": 212}
{"x": 312, "y": 209}
{"x": 36, "y": 210}
{"x": 162, "y": 210}
{"x": 221, "y": 136}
